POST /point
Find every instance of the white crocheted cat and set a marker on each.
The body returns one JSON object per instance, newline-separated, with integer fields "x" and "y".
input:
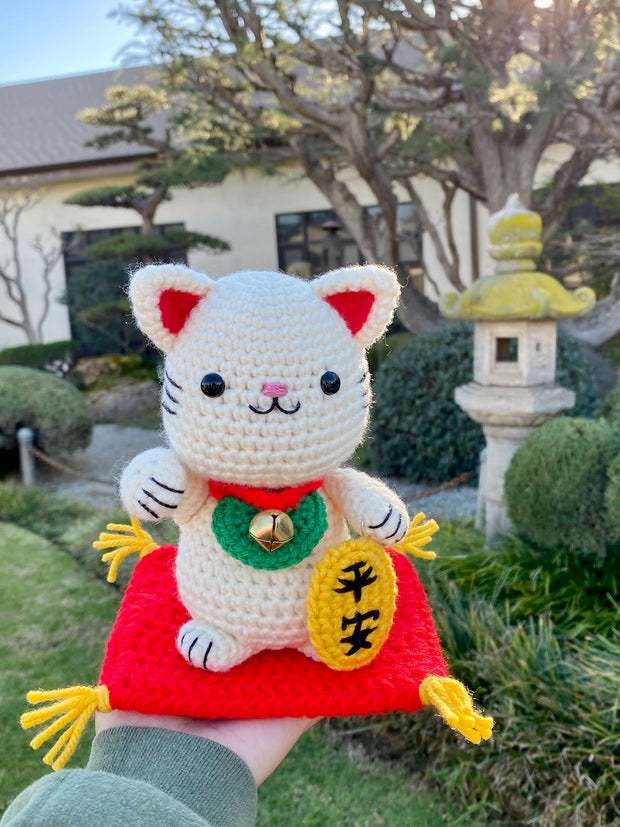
{"x": 266, "y": 393}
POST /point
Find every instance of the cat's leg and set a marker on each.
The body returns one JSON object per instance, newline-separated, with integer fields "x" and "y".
{"x": 309, "y": 651}
{"x": 208, "y": 647}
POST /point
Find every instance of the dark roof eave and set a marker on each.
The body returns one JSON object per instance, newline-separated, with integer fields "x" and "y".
{"x": 70, "y": 166}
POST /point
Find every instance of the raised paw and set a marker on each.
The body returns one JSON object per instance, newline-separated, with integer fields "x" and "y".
{"x": 153, "y": 485}
{"x": 388, "y": 524}
{"x": 210, "y": 648}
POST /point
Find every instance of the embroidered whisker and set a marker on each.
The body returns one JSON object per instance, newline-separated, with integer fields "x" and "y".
{"x": 172, "y": 382}
{"x": 169, "y": 395}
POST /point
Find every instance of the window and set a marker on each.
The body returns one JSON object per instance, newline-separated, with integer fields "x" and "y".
{"x": 309, "y": 243}
{"x": 507, "y": 349}
{"x": 313, "y": 238}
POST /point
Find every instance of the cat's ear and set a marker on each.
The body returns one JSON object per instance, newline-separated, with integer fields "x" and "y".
{"x": 163, "y": 297}
{"x": 364, "y": 297}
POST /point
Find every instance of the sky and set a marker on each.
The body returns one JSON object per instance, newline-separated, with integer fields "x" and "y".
{"x": 44, "y": 38}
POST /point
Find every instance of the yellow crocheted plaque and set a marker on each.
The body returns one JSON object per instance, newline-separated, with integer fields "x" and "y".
{"x": 351, "y": 604}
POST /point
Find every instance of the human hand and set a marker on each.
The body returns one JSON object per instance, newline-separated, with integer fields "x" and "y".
{"x": 261, "y": 743}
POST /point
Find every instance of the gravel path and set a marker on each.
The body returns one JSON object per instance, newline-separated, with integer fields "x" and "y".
{"x": 454, "y": 503}
{"x": 101, "y": 464}
{"x": 112, "y": 446}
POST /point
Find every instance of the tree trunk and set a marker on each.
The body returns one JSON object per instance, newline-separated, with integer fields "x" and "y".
{"x": 602, "y": 323}
{"x": 417, "y": 312}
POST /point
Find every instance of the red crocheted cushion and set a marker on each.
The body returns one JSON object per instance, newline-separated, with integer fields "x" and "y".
{"x": 143, "y": 670}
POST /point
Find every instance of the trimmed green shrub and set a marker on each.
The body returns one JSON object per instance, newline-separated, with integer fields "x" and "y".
{"x": 555, "y": 485}
{"x": 610, "y": 405}
{"x": 52, "y": 407}
{"x": 54, "y": 357}
{"x": 612, "y": 498}
{"x": 381, "y": 349}
{"x": 574, "y": 371}
{"x": 417, "y": 429}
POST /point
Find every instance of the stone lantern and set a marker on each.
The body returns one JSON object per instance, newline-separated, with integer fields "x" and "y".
{"x": 514, "y": 313}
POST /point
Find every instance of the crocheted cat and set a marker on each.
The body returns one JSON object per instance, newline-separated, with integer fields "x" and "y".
{"x": 265, "y": 394}
{"x": 273, "y": 609}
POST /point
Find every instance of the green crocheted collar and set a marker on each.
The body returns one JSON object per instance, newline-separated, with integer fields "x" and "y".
{"x": 231, "y": 526}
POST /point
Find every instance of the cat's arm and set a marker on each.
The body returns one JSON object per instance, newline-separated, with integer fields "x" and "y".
{"x": 155, "y": 486}
{"x": 369, "y": 506}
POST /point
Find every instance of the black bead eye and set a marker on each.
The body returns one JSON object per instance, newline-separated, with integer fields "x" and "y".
{"x": 330, "y": 382}
{"x": 212, "y": 384}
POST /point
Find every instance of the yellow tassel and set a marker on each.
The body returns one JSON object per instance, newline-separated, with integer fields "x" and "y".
{"x": 133, "y": 540}
{"x": 419, "y": 534}
{"x": 71, "y": 707}
{"x": 453, "y": 702}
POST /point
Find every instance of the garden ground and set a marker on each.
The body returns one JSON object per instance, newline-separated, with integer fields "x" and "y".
{"x": 55, "y": 615}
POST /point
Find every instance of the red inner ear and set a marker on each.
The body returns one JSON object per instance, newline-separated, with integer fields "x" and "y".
{"x": 175, "y": 306}
{"x": 354, "y": 306}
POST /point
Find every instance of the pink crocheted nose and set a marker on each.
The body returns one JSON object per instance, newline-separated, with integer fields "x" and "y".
{"x": 274, "y": 389}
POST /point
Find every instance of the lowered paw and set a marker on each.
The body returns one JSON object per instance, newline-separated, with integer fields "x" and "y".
{"x": 209, "y": 648}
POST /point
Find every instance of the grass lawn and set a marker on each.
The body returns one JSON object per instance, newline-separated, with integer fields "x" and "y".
{"x": 320, "y": 785}
{"x": 55, "y": 616}
{"x": 55, "y": 619}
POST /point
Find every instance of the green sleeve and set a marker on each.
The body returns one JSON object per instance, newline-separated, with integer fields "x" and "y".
{"x": 139, "y": 776}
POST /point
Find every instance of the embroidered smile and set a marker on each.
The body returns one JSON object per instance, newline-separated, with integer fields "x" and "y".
{"x": 275, "y": 390}
{"x": 275, "y": 404}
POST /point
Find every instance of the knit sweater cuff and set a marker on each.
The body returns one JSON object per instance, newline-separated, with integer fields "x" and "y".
{"x": 203, "y": 775}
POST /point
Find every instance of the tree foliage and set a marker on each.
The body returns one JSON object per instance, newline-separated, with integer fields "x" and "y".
{"x": 145, "y": 115}
{"x": 469, "y": 94}
{"x": 131, "y": 246}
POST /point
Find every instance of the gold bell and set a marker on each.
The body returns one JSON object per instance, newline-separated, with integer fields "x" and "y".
{"x": 271, "y": 529}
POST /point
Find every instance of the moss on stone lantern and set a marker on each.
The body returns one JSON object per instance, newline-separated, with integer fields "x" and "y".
{"x": 516, "y": 290}
{"x": 515, "y": 314}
